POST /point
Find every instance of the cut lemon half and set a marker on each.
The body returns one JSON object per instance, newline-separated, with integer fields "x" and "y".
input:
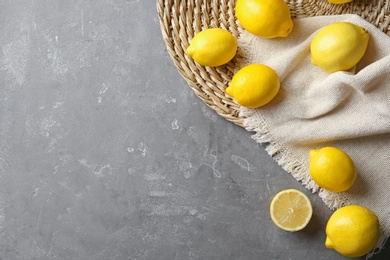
{"x": 291, "y": 210}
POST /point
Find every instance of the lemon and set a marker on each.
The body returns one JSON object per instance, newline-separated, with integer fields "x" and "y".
{"x": 338, "y": 46}
{"x": 291, "y": 210}
{"x": 213, "y": 47}
{"x": 352, "y": 231}
{"x": 254, "y": 85}
{"x": 265, "y": 18}
{"x": 337, "y": 2}
{"x": 332, "y": 169}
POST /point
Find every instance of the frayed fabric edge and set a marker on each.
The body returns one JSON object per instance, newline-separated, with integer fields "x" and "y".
{"x": 254, "y": 122}
{"x": 380, "y": 245}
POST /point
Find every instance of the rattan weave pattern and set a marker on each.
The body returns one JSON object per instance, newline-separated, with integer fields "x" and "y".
{"x": 181, "y": 20}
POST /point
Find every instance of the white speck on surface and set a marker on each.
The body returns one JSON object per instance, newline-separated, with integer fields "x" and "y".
{"x": 194, "y": 134}
{"x": 186, "y": 168}
{"x": 188, "y": 219}
{"x": 201, "y": 217}
{"x": 211, "y": 161}
{"x": 83, "y": 62}
{"x": 55, "y": 169}
{"x": 175, "y": 125}
{"x": 193, "y": 211}
{"x": 39, "y": 218}
{"x": 35, "y": 192}
{"x": 56, "y": 58}
{"x": 154, "y": 177}
{"x": 142, "y": 148}
{"x": 267, "y": 185}
{"x": 15, "y": 58}
{"x": 53, "y": 142}
{"x": 167, "y": 99}
{"x": 29, "y": 126}
{"x": 212, "y": 241}
{"x": 46, "y": 124}
{"x": 82, "y": 22}
{"x": 243, "y": 163}
{"x": 103, "y": 89}
{"x": 158, "y": 194}
{"x": 103, "y": 169}
{"x": 84, "y": 163}
{"x": 130, "y": 149}
{"x": 80, "y": 192}
{"x": 58, "y": 104}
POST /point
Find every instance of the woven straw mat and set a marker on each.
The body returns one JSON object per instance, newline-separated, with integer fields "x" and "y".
{"x": 181, "y": 20}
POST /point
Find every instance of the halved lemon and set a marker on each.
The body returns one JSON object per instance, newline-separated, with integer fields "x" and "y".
{"x": 291, "y": 210}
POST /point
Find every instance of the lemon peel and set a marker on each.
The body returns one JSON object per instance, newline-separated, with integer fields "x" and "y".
{"x": 339, "y": 46}
{"x": 265, "y": 18}
{"x": 332, "y": 169}
{"x": 254, "y": 85}
{"x": 213, "y": 47}
{"x": 352, "y": 231}
{"x": 338, "y": 2}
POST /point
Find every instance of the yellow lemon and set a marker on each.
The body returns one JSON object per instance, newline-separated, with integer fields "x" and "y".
{"x": 332, "y": 169}
{"x": 265, "y": 18}
{"x": 291, "y": 210}
{"x": 352, "y": 231}
{"x": 337, "y": 2}
{"x": 254, "y": 85}
{"x": 213, "y": 47}
{"x": 338, "y": 46}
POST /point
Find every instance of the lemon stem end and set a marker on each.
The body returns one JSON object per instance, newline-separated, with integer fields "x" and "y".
{"x": 328, "y": 243}
{"x": 312, "y": 153}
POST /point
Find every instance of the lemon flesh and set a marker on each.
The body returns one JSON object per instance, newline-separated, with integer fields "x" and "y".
{"x": 265, "y": 18}
{"x": 338, "y": 46}
{"x": 291, "y": 210}
{"x": 254, "y": 85}
{"x": 332, "y": 169}
{"x": 213, "y": 47}
{"x": 352, "y": 231}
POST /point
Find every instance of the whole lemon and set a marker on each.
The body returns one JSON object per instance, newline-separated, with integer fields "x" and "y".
{"x": 352, "y": 231}
{"x": 338, "y": 46}
{"x": 265, "y": 18}
{"x": 254, "y": 85}
{"x": 337, "y": 2}
{"x": 332, "y": 169}
{"x": 213, "y": 47}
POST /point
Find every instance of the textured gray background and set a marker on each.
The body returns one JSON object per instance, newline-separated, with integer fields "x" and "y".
{"x": 105, "y": 152}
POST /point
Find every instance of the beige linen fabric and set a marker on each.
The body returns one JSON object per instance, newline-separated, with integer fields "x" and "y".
{"x": 348, "y": 110}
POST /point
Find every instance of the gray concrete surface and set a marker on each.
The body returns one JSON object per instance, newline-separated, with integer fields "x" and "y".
{"x": 105, "y": 152}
